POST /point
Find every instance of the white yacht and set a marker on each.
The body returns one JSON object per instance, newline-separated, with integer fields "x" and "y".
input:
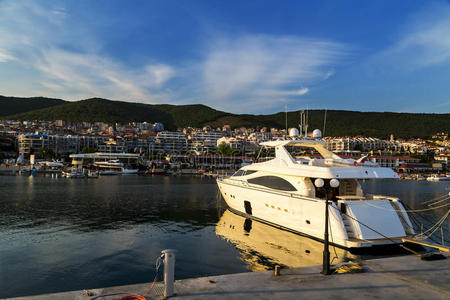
{"x": 290, "y": 193}
{"x": 114, "y": 167}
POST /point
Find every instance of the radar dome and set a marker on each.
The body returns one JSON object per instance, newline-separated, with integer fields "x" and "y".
{"x": 317, "y": 133}
{"x": 293, "y": 132}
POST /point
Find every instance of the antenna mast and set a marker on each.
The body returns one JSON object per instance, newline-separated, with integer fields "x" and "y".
{"x": 306, "y": 123}
{"x": 286, "y": 133}
{"x": 303, "y": 124}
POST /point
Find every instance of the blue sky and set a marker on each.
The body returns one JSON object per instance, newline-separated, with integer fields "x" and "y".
{"x": 238, "y": 56}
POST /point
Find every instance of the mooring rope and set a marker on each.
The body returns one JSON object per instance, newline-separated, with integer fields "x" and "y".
{"x": 135, "y": 296}
{"x": 438, "y": 225}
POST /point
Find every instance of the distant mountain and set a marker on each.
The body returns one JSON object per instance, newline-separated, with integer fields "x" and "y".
{"x": 339, "y": 122}
{"x": 15, "y": 105}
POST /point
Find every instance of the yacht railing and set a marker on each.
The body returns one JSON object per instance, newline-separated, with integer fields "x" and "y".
{"x": 380, "y": 197}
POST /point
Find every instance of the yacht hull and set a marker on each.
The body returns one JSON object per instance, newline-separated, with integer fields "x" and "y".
{"x": 303, "y": 216}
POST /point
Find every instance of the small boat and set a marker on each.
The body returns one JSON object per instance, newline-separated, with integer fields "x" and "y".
{"x": 436, "y": 177}
{"x": 420, "y": 177}
{"x": 126, "y": 171}
{"x": 73, "y": 174}
{"x": 92, "y": 174}
{"x": 108, "y": 173}
{"x": 24, "y": 172}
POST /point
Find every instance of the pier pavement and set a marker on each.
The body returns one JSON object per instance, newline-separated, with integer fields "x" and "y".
{"x": 406, "y": 277}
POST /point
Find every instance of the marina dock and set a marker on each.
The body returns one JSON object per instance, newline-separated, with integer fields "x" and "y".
{"x": 405, "y": 277}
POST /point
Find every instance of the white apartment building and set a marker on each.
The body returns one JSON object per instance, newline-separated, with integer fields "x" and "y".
{"x": 31, "y": 143}
{"x": 170, "y": 141}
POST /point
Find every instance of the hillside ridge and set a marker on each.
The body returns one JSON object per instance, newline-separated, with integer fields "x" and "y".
{"x": 339, "y": 122}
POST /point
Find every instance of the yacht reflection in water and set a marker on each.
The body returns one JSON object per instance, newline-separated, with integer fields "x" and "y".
{"x": 262, "y": 246}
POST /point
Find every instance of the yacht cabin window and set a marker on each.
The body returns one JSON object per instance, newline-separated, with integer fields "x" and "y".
{"x": 243, "y": 173}
{"x": 272, "y": 182}
{"x": 238, "y": 173}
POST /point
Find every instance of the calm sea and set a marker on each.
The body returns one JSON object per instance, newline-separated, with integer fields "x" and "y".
{"x": 67, "y": 234}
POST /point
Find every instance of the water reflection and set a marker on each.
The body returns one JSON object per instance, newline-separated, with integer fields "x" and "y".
{"x": 262, "y": 246}
{"x": 107, "y": 203}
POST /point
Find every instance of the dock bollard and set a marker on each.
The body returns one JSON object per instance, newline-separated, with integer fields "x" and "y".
{"x": 169, "y": 271}
{"x": 276, "y": 271}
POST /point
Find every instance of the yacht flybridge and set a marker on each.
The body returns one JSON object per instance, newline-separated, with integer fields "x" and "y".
{"x": 291, "y": 193}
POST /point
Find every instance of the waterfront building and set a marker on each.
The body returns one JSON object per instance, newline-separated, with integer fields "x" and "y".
{"x": 340, "y": 144}
{"x": 202, "y": 146}
{"x": 359, "y": 143}
{"x": 261, "y": 136}
{"x": 414, "y": 146}
{"x": 392, "y": 161}
{"x": 116, "y": 146}
{"x": 231, "y": 142}
{"x": 443, "y": 157}
{"x": 170, "y": 141}
{"x": 203, "y": 141}
{"x": 61, "y": 145}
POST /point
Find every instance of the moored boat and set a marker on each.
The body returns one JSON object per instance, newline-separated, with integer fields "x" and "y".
{"x": 73, "y": 174}
{"x": 436, "y": 177}
{"x": 290, "y": 193}
{"x": 114, "y": 167}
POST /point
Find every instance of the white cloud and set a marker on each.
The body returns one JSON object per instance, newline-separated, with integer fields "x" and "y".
{"x": 4, "y": 57}
{"x": 30, "y": 37}
{"x": 329, "y": 74}
{"x": 424, "y": 41}
{"x": 302, "y": 91}
{"x": 88, "y": 75}
{"x": 260, "y": 69}
{"x": 159, "y": 74}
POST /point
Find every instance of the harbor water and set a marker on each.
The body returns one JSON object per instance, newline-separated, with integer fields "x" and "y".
{"x": 68, "y": 234}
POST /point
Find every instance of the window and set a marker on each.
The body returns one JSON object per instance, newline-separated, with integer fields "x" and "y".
{"x": 273, "y": 182}
{"x": 239, "y": 173}
{"x": 243, "y": 173}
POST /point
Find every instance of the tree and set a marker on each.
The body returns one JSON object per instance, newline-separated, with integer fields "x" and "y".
{"x": 224, "y": 149}
{"x": 46, "y": 153}
{"x": 88, "y": 150}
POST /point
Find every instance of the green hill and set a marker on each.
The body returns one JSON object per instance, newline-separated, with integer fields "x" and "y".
{"x": 102, "y": 110}
{"x": 16, "y": 105}
{"x": 339, "y": 122}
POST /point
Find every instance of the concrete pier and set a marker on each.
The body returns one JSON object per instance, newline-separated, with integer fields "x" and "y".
{"x": 406, "y": 277}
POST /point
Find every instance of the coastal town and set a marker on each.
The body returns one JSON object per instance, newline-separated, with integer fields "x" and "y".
{"x": 149, "y": 145}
